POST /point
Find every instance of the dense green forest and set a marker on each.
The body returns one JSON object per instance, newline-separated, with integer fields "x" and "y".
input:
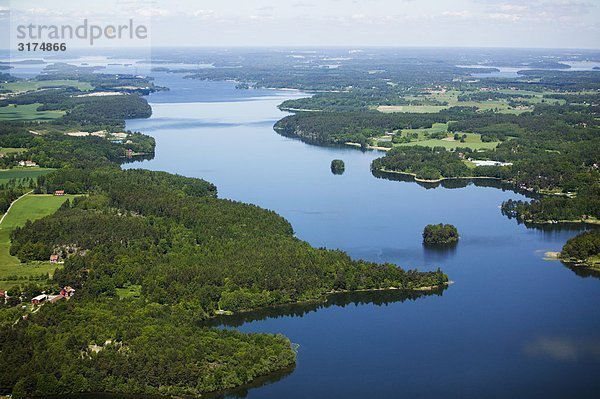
{"x": 424, "y": 162}
{"x": 192, "y": 255}
{"x": 356, "y": 127}
{"x": 440, "y": 234}
{"x": 55, "y": 149}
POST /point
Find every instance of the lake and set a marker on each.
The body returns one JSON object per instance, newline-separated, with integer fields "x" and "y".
{"x": 511, "y": 325}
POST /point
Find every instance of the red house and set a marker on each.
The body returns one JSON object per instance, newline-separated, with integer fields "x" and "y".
{"x": 53, "y": 258}
{"x": 59, "y": 193}
{"x": 39, "y": 299}
{"x": 67, "y": 292}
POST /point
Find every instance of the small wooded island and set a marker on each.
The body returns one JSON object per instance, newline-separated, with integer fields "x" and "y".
{"x": 440, "y": 234}
{"x": 583, "y": 250}
{"x": 338, "y": 167}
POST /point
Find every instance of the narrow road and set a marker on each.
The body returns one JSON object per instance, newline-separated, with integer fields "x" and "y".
{"x": 12, "y": 203}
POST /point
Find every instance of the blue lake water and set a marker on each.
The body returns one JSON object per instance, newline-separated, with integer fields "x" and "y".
{"x": 512, "y": 324}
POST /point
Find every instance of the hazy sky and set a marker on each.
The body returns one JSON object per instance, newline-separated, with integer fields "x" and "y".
{"x": 486, "y": 23}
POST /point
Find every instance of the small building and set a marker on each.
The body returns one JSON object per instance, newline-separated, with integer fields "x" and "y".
{"x": 59, "y": 193}
{"x": 55, "y": 298}
{"x": 67, "y": 292}
{"x": 27, "y": 163}
{"x": 39, "y": 299}
{"x": 53, "y": 258}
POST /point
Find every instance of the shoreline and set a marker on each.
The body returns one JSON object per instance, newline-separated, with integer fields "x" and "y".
{"x": 593, "y": 222}
{"x": 581, "y": 263}
{"x": 325, "y": 298}
{"x": 442, "y": 178}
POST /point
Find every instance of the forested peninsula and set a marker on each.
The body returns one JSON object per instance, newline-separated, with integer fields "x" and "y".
{"x": 583, "y": 250}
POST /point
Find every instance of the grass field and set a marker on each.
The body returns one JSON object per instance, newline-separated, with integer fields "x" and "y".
{"x": 21, "y": 173}
{"x": 27, "y": 112}
{"x": 133, "y": 291}
{"x": 451, "y": 97}
{"x": 473, "y": 140}
{"x": 8, "y": 150}
{"x": 30, "y": 207}
{"x": 419, "y": 109}
{"x": 28, "y": 85}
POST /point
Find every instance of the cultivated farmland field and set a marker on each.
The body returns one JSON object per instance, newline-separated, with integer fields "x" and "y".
{"x": 27, "y": 112}
{"x": 22, "y": 173}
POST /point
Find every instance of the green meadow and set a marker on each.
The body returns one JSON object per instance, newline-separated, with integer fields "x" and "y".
{"x": 472, "y": 141}
{"x": 29, "y": 85}
{"x": 451, "y": 97}
{"x": 27, "y": 112}
{"x": 30, "y": 207}
{"x": 22, "y": 173}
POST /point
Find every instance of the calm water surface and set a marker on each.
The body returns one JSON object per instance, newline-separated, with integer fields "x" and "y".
{"x": 512, "y": 325}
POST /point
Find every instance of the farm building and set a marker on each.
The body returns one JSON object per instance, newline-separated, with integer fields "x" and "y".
{"x": 55, "y": 298}
{"x": 39, "y": 299}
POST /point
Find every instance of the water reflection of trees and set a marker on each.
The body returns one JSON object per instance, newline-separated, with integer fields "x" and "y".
{"x": 582, "y": 271}
{"x": 453, "y": 183}
{"x": 136, "y": 158}
{"x": 242, "y": 392}
{"x": 239, "y": 392}
{"x": 378, "y": 298}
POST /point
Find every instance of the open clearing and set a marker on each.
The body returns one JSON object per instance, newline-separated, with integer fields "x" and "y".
{"x": 29, "y": 85}
{"x": 30, "y": 207}
{"x": 423, "y": 138}
{"x": 473, "y": 141}
{"x": 418, "y": 109}
{"x": 132, "y": 291}
{"x": 22, "y": 173}
{"x": 27, "y": 112}
{"x": 451, "y": 98}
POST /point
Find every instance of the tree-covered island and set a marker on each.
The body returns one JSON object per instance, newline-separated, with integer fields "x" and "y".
{"x": 440, "y": 234}
{"x": 338, "y": 167}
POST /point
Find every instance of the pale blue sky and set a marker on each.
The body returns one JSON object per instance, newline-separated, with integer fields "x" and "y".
{"x": 456, "y": 23}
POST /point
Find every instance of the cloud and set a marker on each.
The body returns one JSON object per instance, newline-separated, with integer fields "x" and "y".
{"x": 43, "y": 11}
{"x": 204, "y": 14}
{"x": 536, "y": 10}
{"x": 500, "y": 16}
{"x": 303, "y": 4}
{"x": 153, "y": 12}
{"x": 458, "y": 14}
